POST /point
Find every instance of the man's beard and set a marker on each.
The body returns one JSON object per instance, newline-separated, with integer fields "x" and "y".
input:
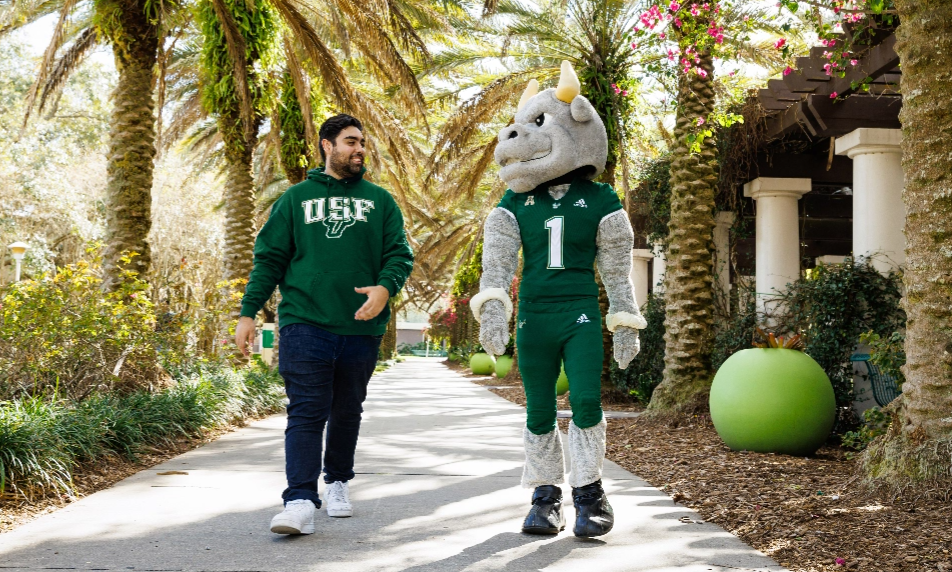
{"x": 340, "y": 162}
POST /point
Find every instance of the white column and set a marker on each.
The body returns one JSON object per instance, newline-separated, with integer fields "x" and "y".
{"x": 878, "y": 212}
{"x": 722, "y": 257}
{"x": 778, "y": 235}
{"x": 639, "y": 274}
{"x": 657, "y": 269}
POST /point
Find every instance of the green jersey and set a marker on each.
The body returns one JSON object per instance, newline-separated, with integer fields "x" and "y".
{"x": 558, "y": 239}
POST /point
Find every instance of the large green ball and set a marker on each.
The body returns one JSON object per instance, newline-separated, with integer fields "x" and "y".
{"x": 503, "y": 365}
{"x": 562, "y": 385}
{"x": 482, "y": 364}
{"x": 772, "y": 400}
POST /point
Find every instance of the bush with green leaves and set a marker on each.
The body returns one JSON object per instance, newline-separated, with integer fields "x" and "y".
{"x": 887, "y": 352}
{"x": 644, "y": 373}
{"x": 831, "y": 307}
{"x": 875, "y": 423}
{"x": 44, "y": 440}
{"x": 64, "y": 334}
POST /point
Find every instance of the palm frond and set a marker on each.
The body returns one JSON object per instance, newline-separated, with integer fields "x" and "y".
{"x": 235, "y": 44}
{"x": 65, "y": 66}
{"x": 303, "y": 92}
{"x": 59, "y": 37}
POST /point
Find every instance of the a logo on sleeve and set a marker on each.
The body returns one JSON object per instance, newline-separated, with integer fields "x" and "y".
{"x": 530, "y": 200}
{"x": 581, "y": 203}
{"x": 583, "y": 319}
{"x": 337, "y": 213}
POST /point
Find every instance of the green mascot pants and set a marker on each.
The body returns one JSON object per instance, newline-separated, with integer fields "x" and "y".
{"x": 548, "y": 334}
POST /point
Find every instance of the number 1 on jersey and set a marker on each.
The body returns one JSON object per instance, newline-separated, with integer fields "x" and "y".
{"x": 556, "y": 229}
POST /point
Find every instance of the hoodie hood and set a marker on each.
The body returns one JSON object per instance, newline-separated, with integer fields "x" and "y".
{"x": 319, "y": 175}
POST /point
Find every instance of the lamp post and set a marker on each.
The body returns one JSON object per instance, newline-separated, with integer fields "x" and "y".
{"x": 19, "y": 250}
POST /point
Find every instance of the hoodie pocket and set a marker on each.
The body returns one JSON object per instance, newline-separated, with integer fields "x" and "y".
{"x": 333, "y": 300}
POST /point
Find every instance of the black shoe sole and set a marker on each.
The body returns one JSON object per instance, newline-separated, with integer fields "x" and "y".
{"x": 543, "y": 531}
{"x": 592, "y": 535}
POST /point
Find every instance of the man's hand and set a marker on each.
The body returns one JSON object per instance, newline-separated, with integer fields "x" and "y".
{"x": 377, "y": 297}
{"x": 494, "y": 327}
{"x": 245, "y": 334}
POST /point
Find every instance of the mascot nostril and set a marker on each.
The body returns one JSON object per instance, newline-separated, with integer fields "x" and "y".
{"x": 564, "y": 223}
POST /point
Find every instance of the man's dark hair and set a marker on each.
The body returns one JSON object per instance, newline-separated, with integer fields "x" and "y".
{"x": 331, "y": 128}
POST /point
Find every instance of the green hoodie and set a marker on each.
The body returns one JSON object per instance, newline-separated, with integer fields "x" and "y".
{"x": 324, "y": 238}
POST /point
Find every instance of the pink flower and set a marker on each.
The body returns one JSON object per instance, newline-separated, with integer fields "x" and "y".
{"x": 780, "y": 43}
{"x": 840, "y": 562}
{"x": 662, "y": 35}
{"x": 677, "y": 22}
{"x": 701, "y": 72}
{"x": 674, "y": 7}
{"x": 746, "y": 18}
{"x": 788, "y": 70}
{"x": 624, "y": 93}
{"x": 833, "y": 95}
{"x": 733, "y": 73}
{"x": 634, "y": 45}
{"x": 700, "y": 121}
{"x": 854, "y": 62}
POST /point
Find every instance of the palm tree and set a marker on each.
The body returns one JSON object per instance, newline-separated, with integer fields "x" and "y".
{"x": 241, "y": 42}
{"x": 916, "y": 450}
{"x": 133, "y": 29}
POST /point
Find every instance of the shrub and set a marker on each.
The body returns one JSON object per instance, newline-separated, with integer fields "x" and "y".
{"x": 831, "y": 307}
{"x": 875, "y": 423}
{"x": 644, "y": 373}
{"x": 64, "y": 335}
{"x": 43, "y": 441}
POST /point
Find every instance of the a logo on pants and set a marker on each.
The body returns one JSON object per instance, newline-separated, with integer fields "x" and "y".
{"x": 337, "y": 213}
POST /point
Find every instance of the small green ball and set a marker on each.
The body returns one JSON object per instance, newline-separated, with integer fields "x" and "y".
{"x": 482, "y": 364}
{"x": 503, "y": 365}
{"x": 562, "y": 385}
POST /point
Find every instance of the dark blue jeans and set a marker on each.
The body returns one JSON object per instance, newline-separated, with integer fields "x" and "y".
{"x": 325, "y": 376}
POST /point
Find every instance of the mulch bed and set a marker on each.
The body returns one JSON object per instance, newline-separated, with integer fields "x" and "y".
{"x": 809, "y": 514}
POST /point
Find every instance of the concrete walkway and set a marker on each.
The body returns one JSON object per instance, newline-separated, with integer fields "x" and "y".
{"x": 439, "y": 462}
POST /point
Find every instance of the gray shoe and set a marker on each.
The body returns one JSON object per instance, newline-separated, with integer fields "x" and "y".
{"x": 338, "y": 500}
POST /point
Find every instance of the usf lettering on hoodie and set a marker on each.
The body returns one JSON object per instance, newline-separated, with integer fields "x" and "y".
{"x": 324, "y": 238}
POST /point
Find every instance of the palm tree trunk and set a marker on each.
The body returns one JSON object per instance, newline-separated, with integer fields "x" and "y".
{"x": 131, "y": 145}
{"x": 239, "y": 210}
{"x": 916, "y": 450}
{"x": 688, "y": 297}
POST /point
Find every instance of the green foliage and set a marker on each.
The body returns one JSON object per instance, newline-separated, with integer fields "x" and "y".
{"x": 875, "y": 423}
{"x": 653, "y": 193}
{"x": 887, "y": 352}
{"x": 736, "y": 332}
{"x": 63, "y": 334}
{"x": 831, "y": 307}
{"x": 43, "y": 440}
{"x": 257, "y": 22}
{"x": 293, "y": 139}
{"x": 466, "y": 281}
{"x": 644, "y": 373}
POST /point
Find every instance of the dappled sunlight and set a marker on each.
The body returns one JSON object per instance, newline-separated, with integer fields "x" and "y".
{"x": 437, "y": 490}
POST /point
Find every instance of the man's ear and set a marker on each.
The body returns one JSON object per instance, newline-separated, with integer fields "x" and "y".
{"x": 327, "y": 146}
{"x": 582, "y": 109}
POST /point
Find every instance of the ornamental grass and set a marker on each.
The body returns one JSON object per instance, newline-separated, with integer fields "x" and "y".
{"x": 43, "y": 440}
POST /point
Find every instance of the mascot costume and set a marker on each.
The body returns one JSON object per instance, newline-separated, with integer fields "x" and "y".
{"x": 564, "y": 223}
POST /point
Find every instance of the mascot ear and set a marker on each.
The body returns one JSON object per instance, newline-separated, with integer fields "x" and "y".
{"x": 582, "y": 110}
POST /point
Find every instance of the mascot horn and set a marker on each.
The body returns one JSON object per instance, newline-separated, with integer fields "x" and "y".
{"x": 564, "y": 223}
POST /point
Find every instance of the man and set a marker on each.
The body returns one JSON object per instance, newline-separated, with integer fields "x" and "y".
{"x": 336, "y": 247}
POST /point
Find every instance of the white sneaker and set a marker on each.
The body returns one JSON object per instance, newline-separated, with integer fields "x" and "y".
{"x": 338, "y": 500}
{"x": 297, "y": 518}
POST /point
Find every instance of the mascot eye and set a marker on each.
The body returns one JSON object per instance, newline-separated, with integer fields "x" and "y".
{"x": 540, "y": 120}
